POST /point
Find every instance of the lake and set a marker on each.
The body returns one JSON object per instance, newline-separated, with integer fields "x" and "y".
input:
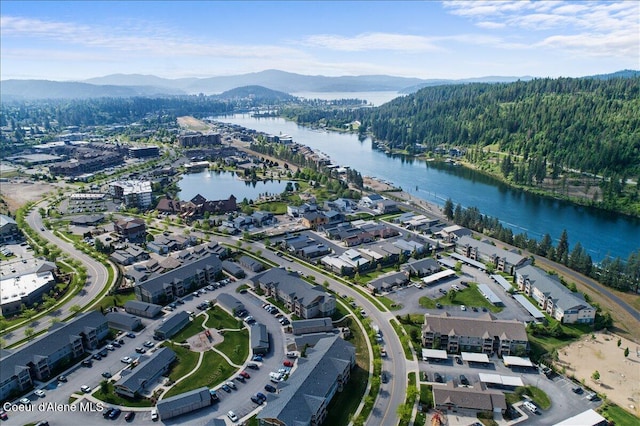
{"x": 221, "y": 185}
{"x": 599, "y": 232}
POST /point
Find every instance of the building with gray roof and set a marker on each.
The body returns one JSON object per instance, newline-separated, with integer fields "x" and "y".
{"x": 303, "y": 399}
{"x": 142, "y": 309}
{"x": 8, "y": 228}
{"x": 232, "y": 268}
{"x": 314, "y": 325}
{"x": 229, "y": 302}
{"x": 122, "y": 321}
{"x": 145, "y": 374}
{"x": 62, "y": 345}
{"x": 422, "y": 267}
{"x": 180, "y": 281}
{"x": 484, "y": 334}
{"x": 259, "y": 339}
{"x": 503, "y": 260}
{"x": 387, "y": 282}
{"x": 301, "y": 298}
{"x": 553, "y": 297}
{"x": 184, "y": 403}
{"x": 173, "y": 325}
{"x": 452, "y": 398}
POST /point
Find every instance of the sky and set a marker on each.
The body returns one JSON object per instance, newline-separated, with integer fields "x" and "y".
{"x": 77, "y": 40}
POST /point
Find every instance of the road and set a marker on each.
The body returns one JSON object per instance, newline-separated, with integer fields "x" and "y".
{"x": 97, "y": 279}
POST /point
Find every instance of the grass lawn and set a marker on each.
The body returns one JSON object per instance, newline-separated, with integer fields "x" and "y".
{"x": 536, "y": 394}
{"x": 213, "y": 371}
{"x": 426, "y": 395}
{"x": 219, "y": 319}
{"x": 404, "y": 340}
{"x": 469, "y": 297}
{"x": 390, "y": 304}
{"x": 186, "y": 362}
{"x": 235, "y": 345}
{"x": 340, "y": 311}
{"x": 190, "y": 330}
{"x": 113, "y": 398}
{"x": 619, "y": 416}
{"x": 116, "y": 300}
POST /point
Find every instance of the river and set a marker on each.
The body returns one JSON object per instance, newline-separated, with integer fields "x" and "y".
{"x": 600, "y": 233}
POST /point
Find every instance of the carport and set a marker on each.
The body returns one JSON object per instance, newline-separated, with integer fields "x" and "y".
{"x": 496, "y": 380}
{"x": 530, "y": 307}
{"x": 516, "y": 361}
{"x": 475, "y": 357}
{"x": 469, "y": 261}
{"x": 437, "y": 355}
{"x": 438, "y": 276}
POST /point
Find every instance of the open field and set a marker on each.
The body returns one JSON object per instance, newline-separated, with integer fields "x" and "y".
{"x": 17, "y": 195}
{"x": 619, "y": 376}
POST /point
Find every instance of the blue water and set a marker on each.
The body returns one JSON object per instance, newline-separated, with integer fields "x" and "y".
{"x": 599, "y": 232}
{"x": 220, "y": 186}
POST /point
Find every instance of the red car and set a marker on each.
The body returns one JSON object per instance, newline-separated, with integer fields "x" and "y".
{"x": 245, "y": 374}
{"x": 288, "y": 363}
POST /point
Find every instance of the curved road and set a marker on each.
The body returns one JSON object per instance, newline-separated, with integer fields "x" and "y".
{"x": 97, "y": 279}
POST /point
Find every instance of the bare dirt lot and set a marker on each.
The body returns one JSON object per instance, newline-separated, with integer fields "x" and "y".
{"x": 619, "y": 376}
{"x": 18, "y": 194}
{"x": 193, "y": 124}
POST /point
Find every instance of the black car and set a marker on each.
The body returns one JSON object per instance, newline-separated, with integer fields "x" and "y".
{"x": 106, "y": 413}
{"x": 62, "y": 379}
{"x": 464, "y": 380}
{"x": 269, "y": 388}
{"x": 256, "y": 400}
{"x": 130, "y": 334}
{"x": 253, "y": 366}
{"x": 577, "y": 389}
{"x": 87, "y": 363}
{"x": 458, "y": 360}
{"x": 115, "y": 413}
{"x": 130, "y": 416}
{"x": 97, "y": 357}
{"x": 384, "y": 378}
{"x": 437, "y": 377}
{"x": 106, "y": 375}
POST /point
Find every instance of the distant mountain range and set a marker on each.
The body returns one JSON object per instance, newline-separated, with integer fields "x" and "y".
{"x": 128, "y": 85}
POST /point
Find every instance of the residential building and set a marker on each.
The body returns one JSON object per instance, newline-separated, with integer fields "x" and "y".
{"x": 388, "y": 282}
{"x": 503, "y": 260}
{"x": 314, "y": 219}
{"x": 484, "y": 334}
{"x": 250, "y": 263}
{"x": 142, "y": 309}
{"x": 173, "y": 325}
{"x": 313, "y": 325}
{"x": 452, "y": 398}
{"x": 144, "y": 151}
{"x": 184, "y": 403}
{"x": 62, "y": 345}
{"x": 133, "y": 193}
{"x": 8, "y": 228}
{"x": 145, "y": 374}
{"x": 370, "y": 200}
{"x": 180, "y": 281}
{"x": 122, "y": 321}
{"x": 421, "y": 268}
{"x": 308, "y": 392}
{"x": 229, "y": 302}
{"x": 553, "y": 297}
{"x": 259, "y": 339}
{"x": 131, "y": 229}
{"x": 386, "y": 206}
{"x": 199, "y": 139}
{"x": 454, "y": 232}
{"x": 301, "y": 298}
{"x": 232, "y": 268}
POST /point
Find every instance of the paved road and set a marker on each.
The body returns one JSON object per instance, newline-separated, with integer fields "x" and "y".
{"x": 97, "y": 279}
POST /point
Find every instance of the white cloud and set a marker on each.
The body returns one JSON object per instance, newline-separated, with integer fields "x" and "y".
{"x": 491, "y": 25}
{"x": 372, "y": 41}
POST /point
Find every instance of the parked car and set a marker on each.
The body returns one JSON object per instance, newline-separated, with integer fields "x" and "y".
{"x": 577, "y": 389}
{"x": 464, "y": 380}
{"x": 269, "y": 388}
{"x": 115, "y": 413}
{"x": 3, "y": 415}
{"x": 87, "y": 363}
{"x": 111, "y": 347}
{"x": 261, "y": 396}
{"x": 287, "y": 363}
{"x": 458, "y": 359}
{"x": 106, "y": 413}
{"x": 231, "y": 384}
{"x": 530, "y": 406}
{"x": 463, "y": 308}
{"x": 85, "y": 388}
{"x": 62, "y": 378}
{"x": 240, "y": 379}
{"x": 140, "y": 350}
{"x": 256, "y": 400}
{"x": 106, "y": 375}
{"x": 130, "y": 334}
{"x": 292, "y": 355}
{"x": 25, "y": 401}
{"x": 116, "y": 344}
{"x": 130, "y": 416}
{"x": 384, "y": 378}
{"x": 437, "y": 378}
{"x": 126, "y": 360}
{"x": 226, "y": 388}
{"x": 154, "y": 415}
{"x": 232, "y": 416}
{"x": 148, "y": 344}
{"x": 253, "y": 366}
{"x": 257, "y": 358}
{"x": 245, "y": 375}
{"x": 39, "y": 393}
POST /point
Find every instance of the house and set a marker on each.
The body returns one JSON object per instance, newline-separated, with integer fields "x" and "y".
{"x": 261, "y": 218}
{"x": 553, "y": 297}
{"x": 129, "y": 255}
{"x": 503, "y": 260}
{"x": 173, "y": 325}
{"x": 334, "y": 217}
{"x": 313, "y": 325}
{"x": 387, "y": 282}
{"x": 454, "y": 232}
{"x": 230, "y": 303}
{"x": 484, "y": 334}
{"x": 184, "y": 403}
{"x": 421, "y": 268}
{"x": 297, "y": 211}
{"x": 386, "y": 206}
{"x": 305, "y": 396}
{"x": 452, "y": 398}
{"x": 301, "y": 298}
{"x": 122, "y": 321}
{"x": 259, "y": 339}
{"x": 130, "y": 229}
{"x": 40, "y": 359}
{"x": 142, "y": 309}
{"x": 408, "y": 247}
{"x": 314, "y": 219}
{"x": 313, "y": 251}
{"x": 146, "y": 373}
{"x": 371, "y": 200}
{"x": 232, "y": 268}
{"x": 8, "y": 228}
{"x": 179, "y": 281}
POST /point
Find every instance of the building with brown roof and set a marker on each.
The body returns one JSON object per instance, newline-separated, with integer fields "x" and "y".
{"x": 130, "y": 228}
{"x": 453, "y": 398}
{"x": 484, "y": 334}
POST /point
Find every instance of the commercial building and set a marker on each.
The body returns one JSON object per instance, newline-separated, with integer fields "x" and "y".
{"x": 184, "y": 403}
{"x": 553, "y": 297}
{"x": 133, "y": 193}
{"x": 24, "y": 286}
{"x": 131, "y": 229}
{"x": 144, "y": 151}
{"x": 307, "y": 393}
{"x": 180, "y": 281}
{"x": 173, "y": 325}
{"x": 301, "y": 298}
{"x": 484, "y": 334}
{"x": 145, "y": 374}
{"x": 41, "y": 359}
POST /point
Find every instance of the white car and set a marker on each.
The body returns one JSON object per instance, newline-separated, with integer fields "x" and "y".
{"x": 154, "y": 415}
{"x": 25, "y": 401}
{"x": 39, "y": 393}
{"x": 463, "y": 308}
{"x": 232, "y": 416}
{"x": 126, "y": 360}
{"x": 85, "y": 388}
{"x": 111, "y": 347}
{"x": 148, "y": 344}
{"x": 231, "y": 385}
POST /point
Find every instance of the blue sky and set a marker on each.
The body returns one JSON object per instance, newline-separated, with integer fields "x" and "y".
{"x": 76, "y": 40}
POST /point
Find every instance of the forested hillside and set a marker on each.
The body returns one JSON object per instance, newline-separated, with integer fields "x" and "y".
{"x": 591, "y": 125}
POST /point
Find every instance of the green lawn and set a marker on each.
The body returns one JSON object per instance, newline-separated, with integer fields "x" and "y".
{"x": 470, "y": 297}
{"x": 116, "y": 300}
{"x": 235, "y": 345}
{"x": 536, "y": 394}
{"x": 404, "y": 340}
{"x": 219, "y": 319}
{"x": 190, "y": 330}
{"x": 619, "y": 416}
{"x": 186, "y": 362}
{"x": 213, "y": 371}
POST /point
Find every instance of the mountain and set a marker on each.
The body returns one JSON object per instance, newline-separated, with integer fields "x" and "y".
{"x": 45, "y": 89}
{"x": 256, "y": 94}
{"x": 617, "y": 74}
{"x": 488, "y": 79}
